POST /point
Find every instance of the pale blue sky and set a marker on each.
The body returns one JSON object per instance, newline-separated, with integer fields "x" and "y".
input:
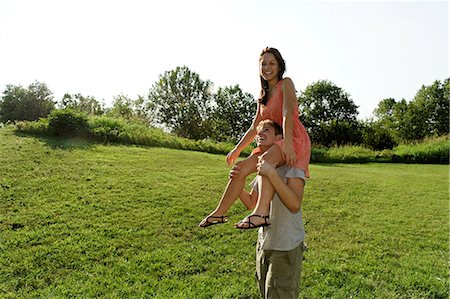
{"x": 101, "y": 48}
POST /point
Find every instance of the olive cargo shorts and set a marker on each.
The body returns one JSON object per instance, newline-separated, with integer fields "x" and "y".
{"x": 278, "y": 272}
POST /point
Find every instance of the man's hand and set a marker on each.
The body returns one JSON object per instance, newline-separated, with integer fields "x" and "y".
{"x": 234, "y": 172}
{"x": 265, "y": 168}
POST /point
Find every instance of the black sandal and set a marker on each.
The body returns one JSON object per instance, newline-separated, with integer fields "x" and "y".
{"x": 206, "y": 222}
{"x": 251, "y": 225}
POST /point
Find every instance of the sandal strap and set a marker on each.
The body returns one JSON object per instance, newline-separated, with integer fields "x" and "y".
{"x": 252, "y": 225}
{"x": 222, "y": 219}
{"x": 210, "y": 220}
{"x": 265, "y": 217}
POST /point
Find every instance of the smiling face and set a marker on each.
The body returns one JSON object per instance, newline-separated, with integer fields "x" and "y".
{"x": 269, "y": 68}
{"x": 266, "y": 136}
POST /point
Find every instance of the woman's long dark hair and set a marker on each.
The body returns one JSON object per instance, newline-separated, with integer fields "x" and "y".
{"x": 264, "y": 94}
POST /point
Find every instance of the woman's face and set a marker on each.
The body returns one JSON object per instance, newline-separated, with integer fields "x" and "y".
{"x": 269, "y": 67}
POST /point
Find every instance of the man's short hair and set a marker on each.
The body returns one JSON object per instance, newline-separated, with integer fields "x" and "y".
{"x": 277, "y": 127}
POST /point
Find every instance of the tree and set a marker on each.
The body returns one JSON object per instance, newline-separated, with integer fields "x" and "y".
{"x": 426, "y": 115}
{"x": 122, "y": 106}
{"x": 329, "y": 114}
{"x": 80, "y": 103}
{"x": 32, "y": 103}
{"x": 132, "y": 109}
{"x": 432, "y": 105}
{"x": 232, "y": 115}
{"x": 377, "y": 137}
{"x": 182, "y": 102}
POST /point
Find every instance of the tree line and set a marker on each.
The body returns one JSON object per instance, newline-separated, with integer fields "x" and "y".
{"x": 182, "y": 103}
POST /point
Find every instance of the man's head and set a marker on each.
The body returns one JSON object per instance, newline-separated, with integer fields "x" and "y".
{"x": 267, "y": 132}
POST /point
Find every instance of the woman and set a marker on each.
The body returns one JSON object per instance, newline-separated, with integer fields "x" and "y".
{"x": 277, "y": 102}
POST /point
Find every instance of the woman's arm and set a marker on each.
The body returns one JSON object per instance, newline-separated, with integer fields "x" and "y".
{"x": 289, "y": 104}
{"x": 246, "y": 139}
{"x": 290, "y": 193}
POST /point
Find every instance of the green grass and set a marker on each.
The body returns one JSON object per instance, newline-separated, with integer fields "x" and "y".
{"x": 86, "y": 220}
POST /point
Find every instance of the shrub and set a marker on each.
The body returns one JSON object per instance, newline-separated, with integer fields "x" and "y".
{"x": 106, "y": 129}
{"x": 350, "y": 154}
{"x": 39, "y": 127}
{"x": 377, "y": 137}
{"x": 67, "y": 123}
{"x": 430, "y": 150}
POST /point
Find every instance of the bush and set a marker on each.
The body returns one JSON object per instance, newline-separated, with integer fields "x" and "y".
{"x": 67, "y": 123}
{"x": 106, "y": 129}
{"x": 39, "y": 127}
{"x": 431, "y": 150}
{"x": 377, "y": 138}
{"x": 350, "y": 154}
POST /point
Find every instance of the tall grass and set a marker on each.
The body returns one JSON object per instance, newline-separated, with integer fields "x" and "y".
{"x": 430, "y": 150}
{"x": 105, "y": 129}
{"x": 115, "y": 130}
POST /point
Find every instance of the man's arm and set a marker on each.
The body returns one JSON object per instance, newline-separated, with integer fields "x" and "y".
{"x": 290, "y": 193}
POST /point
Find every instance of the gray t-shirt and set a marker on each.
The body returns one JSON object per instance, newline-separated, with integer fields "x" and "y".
{"x": 286, "y": 230}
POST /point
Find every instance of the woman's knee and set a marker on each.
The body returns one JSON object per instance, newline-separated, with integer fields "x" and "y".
{"x": 246, "y": 167}
{"x": 273, "y": 156}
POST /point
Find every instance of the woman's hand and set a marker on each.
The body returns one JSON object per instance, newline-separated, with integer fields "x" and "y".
{"x": 232, "y": 156}
{"x": 289, "y": 154}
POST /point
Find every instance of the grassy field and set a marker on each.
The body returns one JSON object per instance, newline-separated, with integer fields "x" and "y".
{"x": 83, "y": 220}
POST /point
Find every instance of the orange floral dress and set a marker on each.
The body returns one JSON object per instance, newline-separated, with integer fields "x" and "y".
{"x": 273, "y": 110}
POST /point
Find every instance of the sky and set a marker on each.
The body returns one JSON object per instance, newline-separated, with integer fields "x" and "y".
{"x": 103, "y": 48}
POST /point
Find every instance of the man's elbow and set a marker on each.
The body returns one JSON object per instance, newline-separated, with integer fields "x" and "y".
{"x": 295, "y": 207}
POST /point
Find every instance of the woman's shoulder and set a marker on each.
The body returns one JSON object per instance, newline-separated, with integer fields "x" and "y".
{"x": 287, "y": 81}
{"x": 287, "y": 84}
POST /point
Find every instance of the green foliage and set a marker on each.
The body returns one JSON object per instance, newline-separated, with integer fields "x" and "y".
{"x": 182, "y": 102}
{"x": 120, "y": 222}
{"x": 132, "y": 109}
{"x": 428, "y": 151}
{"x": 232, "y": 115}
{"x": 377, "y": 137}
{"x": 432, "y": 104}
{"x": 39, "y": 127}
{"x": 426, "y": 115}
{"x": 77, "y": 102}
{"x": 32, "y": 103}
{"x": 431, "y": 150}
{"x": 348, "y": 154}
{"x": 68, "y": 123}
{"x": 108, "y": 129}
{"x": 329, "y": 114}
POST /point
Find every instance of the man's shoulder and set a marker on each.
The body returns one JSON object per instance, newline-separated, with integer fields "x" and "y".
{"x": 282, "y": 170}
{"x": 285, "y": 171}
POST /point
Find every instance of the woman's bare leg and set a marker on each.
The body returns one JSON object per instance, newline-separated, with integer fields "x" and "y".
{"x": 234, "y": 187}
{"x": 266, "y": 190}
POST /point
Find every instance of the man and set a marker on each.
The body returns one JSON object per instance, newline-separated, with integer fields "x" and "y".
{"x": 280, "y": 246}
